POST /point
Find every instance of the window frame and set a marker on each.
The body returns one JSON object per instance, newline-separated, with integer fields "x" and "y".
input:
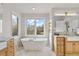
{"x": 35, "y": 34}
{"x": 26, "y": 27}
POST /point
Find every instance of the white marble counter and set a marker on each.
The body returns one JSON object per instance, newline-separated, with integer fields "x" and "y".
{"x": 3, "y": 45}
{"x": 3, "y": 42}
{"x": 60, "y": 36}
{"x": 73, "y": 38}
{"x": 3, "y": 39}
{"x": 68, "y": 38}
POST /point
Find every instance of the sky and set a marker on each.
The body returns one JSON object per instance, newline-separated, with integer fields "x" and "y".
{"x": 39, "y": 22}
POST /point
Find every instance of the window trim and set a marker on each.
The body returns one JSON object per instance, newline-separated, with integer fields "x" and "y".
{"x": 35, "y": 27}
{"x": 26, "y": 27}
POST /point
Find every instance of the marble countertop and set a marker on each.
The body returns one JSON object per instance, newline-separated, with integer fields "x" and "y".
{"x": 3, "y": 39}
{"x": 3, "y": 42}
{"x": 69, "y": 37}
{"x": 73, "y": 38}
{"x": 3, "y": 45}
{"x": 60, "y": 35}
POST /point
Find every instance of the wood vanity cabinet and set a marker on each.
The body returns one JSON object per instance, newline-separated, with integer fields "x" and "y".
{"x": 10, "y": 48}
{"x": 72, "y": 48}
{"x": 63, "y": 47}
{"x": 3, "y": 52}
{"x": 59, "y": 46}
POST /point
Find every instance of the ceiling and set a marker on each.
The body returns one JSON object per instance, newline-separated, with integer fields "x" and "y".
{"x": 39, "y": 7}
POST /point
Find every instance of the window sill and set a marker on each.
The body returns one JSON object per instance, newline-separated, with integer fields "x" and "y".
{"x": 36, "y": 36}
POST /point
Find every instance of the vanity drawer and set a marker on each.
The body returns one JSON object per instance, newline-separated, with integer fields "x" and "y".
{"x": 10, "y": 42}
{"x": 60, "y": 38}
{"x": 60, "y": 48}
{"x": 60, "y": 54}
{"x": 72, "y": 54}
{"x": 10, "y": 49}
{"x": 10, "y": 46}
{"x": 10, "y": 53}
{"x": 60, "y": 43}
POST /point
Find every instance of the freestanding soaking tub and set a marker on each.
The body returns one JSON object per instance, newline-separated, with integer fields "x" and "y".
{"x": 34, "y": 43}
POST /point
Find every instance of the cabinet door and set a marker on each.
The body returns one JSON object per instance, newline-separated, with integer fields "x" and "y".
{"x": 10, "y": 47}
{"x": 68, "y": 47}
{"x": 60, "y": 41}
{"x": 76, "y": 47}
{"x": 60, "y": 50}
{"x": 60, "y": 46}
{"x": 10, "y": 53}
{"x": 3, "y": 52}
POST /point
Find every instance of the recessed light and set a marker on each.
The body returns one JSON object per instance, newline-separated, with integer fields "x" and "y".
{"x": 33, "y": 9}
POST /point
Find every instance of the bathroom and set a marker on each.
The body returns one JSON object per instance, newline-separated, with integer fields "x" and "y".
{"x": 28, "y": 29}
{"x": 32, "y": 31}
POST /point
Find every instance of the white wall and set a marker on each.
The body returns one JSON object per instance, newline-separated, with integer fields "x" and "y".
{"x": 51, "y": 30}
{"x": 73, "y": 22}
{"x": 7, "y": 28}
{"x": 6, "y": 23}
{"x": 6, "y": 17}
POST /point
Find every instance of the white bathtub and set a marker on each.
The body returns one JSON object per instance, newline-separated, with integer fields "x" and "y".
{"x": 34, "y": 43}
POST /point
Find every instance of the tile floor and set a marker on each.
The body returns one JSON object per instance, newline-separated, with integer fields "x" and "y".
{"x": 44, "y": 52}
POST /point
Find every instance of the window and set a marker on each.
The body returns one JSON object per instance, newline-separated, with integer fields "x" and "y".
{"x": 0, "y": 24}
{"x": 30, "y": 27}
{"x": 35, "y": 26}
{"x": 40, "y": 27}
{"x": 14, "y": 25}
